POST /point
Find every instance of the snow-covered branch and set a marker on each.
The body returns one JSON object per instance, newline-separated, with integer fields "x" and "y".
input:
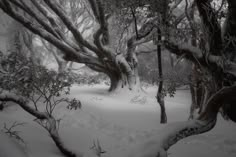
{"x": 44, "y": 119}
{"x": 53, "y": 35}
{"x": 76, "y": 33}
{"x": 22, "y": 102}
{"x": 175, "y": 132}
{"x": 197, "y": 56}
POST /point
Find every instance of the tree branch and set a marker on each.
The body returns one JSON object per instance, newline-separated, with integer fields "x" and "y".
{"x": 31, "y": 13}
{"x": 177, "y": 131}
{"x": 212, "y": 26}
{"x": 54, "y": 25}
{"x": 22, "y": 102}
{"x": 51, "y": 123}
{"x": 77, "y": 35}
{"x": 195, "y": 55}
{"x": 70, "y": 53}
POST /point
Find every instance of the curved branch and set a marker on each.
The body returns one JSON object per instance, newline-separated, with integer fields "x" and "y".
{"x": 98, "y": 11}
{"x": 7, "y": 96}
{"x": 224, "y": 96}
{"x": 103, "y": 51}
{"x": 195, "y": 55}
{"x": 101, "y": 36}
{"x": 52, "y": 127}
{"x": 144, "y": 34}
{"x": 176, "y": 131}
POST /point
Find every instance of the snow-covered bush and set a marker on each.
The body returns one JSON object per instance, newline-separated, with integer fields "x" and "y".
{"x": 38, "y": 91}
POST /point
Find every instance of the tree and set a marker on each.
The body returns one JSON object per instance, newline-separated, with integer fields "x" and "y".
{"x": 196, "y": 83}
{"x": 38, "y": 91}
{"x": 39, "y": 18}
{"x": 219, "y": 62}
{"x": 50, "y": 20}
{"x": 160, "y": 94}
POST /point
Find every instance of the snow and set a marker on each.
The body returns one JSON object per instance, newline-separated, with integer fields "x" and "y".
{"x": 126, "y": 124}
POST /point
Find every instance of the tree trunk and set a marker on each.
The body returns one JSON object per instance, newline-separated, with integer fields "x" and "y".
{"x": 1, "y": 106}
{"x": 195, "y": 78}
{"x": 160, "y": 95}
{"x": 53, "y": 131}
{"x": 123, "y": 81}
{"x": 163, "y": 111}
{"x": 116, "y": 82}
{"x": 197, "y": 90}
{"x": 193, "y": 106}
{"x": 123, "y": 73}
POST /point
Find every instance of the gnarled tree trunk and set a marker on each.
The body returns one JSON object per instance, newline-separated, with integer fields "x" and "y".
{"x": 125, "y": 76}
{"x": 119, "y": 81}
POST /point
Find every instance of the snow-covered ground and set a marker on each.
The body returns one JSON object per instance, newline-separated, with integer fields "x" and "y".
{"x": 120, "y": 121}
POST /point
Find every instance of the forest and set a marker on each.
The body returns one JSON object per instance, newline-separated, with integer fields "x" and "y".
{"x": 117, "y": 78}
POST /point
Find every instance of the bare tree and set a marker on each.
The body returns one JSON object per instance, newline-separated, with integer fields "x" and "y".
{"x": 96, "y": 55}
{"x": 49, "y": 20}
{"x": 160, "y": 94}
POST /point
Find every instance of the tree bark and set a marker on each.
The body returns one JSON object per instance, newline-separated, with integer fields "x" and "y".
{"x": 116, "y": 82}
